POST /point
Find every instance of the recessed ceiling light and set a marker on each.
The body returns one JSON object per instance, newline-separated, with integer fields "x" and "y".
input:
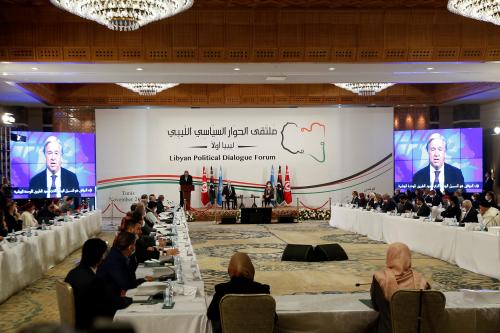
{"x": 4, "y": 74}
{"x": 430, "y": 68}
{"x": 276, "y": 78}
{"x": 5, "y": 62}
{"x": 236, "y": 69}
{"x": 148, "y": 107}
{"x": 34, "y": 68}
{"x": 139, "y": 69}
{"x": 331, "y": 68}
{"x": 496, "y": 130}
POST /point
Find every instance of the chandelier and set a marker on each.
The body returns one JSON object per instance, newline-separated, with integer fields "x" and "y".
{"x": 364, "y": 89}
{"x": 483, "y": 10}
{"x": 147, "y": 89}
{"x": 124, "y": 15}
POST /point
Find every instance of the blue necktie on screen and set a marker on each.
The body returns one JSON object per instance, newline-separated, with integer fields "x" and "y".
{"x": 436, "y": 179}
{"x": 53, "y": 193}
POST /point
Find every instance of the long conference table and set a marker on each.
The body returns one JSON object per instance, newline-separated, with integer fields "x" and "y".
{"x": 24, "y": 261}
{"x": 332, "y": 313}
{"x": 476, "y": 251}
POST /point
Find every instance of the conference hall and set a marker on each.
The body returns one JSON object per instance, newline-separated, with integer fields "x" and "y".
{"x": 250, "y": 166}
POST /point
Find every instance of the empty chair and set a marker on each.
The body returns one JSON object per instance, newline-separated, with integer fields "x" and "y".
{"x": 66, "y": 303}
{"x": 418, "y": 311}
{"x": 244, "y": 313}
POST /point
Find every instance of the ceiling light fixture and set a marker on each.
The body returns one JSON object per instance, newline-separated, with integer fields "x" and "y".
{"x": 124, "y": 15}
{"x": 139, "y": 69}
{"x": 430, "y": 68}
{"x": 496, "y": 130}
{"x": 236, "y": 69}
{"x": 147, "y": 89}
{"x": 482, "y": 10}
{"x": 5, "y": 74}
{"x": 331, "y": 68}
{"x": 364, "y": 88}
{"x": 34, "y": 68}
{"x": 8, "y": 119}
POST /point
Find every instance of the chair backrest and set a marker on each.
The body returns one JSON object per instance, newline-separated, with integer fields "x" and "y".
{"x": 248, "y": 313}
{"x": 66, "y": 303}
{"x": 418, "y": 311}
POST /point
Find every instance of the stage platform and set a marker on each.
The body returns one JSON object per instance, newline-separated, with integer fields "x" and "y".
{"x": 215, "y": 214}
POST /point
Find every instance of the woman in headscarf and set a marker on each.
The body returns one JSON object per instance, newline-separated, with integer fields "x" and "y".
{"x": 241, "y": 272}
{"x": 396, "y": 275}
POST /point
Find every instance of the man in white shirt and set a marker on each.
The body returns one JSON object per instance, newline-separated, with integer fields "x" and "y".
{"x": 490, "y": 216}
{"x": 438, "y": 174}
{"x": 55, "y": 181}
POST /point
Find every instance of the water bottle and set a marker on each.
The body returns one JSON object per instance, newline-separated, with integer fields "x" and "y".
{"x": 168, "y": 294}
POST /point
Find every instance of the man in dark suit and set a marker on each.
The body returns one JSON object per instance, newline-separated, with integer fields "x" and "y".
{"x": 93, "y": 296}
{"x": 421, "y": 207}
{"x": 488, "y": 183}
{"x": 438, "y": 174}
{"x": 116, "y": 269}
{"x": 185, "y": 195}
{"x": 160, "y": 207}
{"x": 229, "y": 194}
{"x": 404, "y": 205}
{"x": 469, "y": 214}
{"x": 388, "y": 205}
{"x": 55, "y": 181}
{"x": 241, "y": 272}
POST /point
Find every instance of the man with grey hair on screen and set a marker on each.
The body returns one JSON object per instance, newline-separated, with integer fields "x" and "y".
{"x": 438, "y": 174}
{"x": 55, "y": 181}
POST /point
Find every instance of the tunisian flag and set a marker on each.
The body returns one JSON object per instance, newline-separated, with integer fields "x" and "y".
{"x": 287, "y": 188}
{"x": 204, "y": 188}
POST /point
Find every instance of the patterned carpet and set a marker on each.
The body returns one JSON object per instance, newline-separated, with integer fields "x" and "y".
{"x": 214, "y": 245}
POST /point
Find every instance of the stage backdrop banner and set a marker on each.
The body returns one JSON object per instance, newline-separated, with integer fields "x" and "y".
{"x": 329, "y": 151}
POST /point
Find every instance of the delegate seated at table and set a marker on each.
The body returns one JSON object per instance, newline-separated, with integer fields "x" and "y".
{"x": 241, "y": 273}
{"x": 93, "y": 296}
{"x": 421, "y": 207}
{"x": 396, "y": 275}
{"x": 116, "y": 269}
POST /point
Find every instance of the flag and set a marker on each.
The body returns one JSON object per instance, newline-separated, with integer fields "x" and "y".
{"x": 287, "y": 191}
{"x": 211, "y": 193}
{"x": 279, "y": 187}
{"x": 204, "y": 188}
{"x": 219, "y": 189}
{"x": 271, "y": 179}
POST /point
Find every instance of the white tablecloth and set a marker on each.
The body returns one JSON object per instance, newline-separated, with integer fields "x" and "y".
{"x": 25, "y": 261}
{"x": 344, "y": 313}
{"x": 476, "y": 251}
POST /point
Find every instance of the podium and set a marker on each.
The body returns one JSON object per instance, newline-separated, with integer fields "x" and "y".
{"x": 186, "y": 195}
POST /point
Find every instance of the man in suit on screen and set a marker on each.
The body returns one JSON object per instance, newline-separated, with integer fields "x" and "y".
{"x": 55, "y": 181}
{"x": 437, "y": 174}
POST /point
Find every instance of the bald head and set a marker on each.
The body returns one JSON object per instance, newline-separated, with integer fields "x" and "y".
{"x": 240, "y": 265}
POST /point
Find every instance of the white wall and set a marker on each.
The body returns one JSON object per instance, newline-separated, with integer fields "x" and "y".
{"x": 146, "y": 147}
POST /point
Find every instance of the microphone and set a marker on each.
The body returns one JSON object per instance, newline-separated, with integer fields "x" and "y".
{"x": 362, "y": 284}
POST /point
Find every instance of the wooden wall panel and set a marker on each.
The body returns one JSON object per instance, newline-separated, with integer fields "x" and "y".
{"x": 253, "y": 35}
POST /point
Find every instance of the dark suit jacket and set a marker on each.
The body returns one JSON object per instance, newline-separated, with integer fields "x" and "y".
{"x": 225, "y": 192}
{"x": 117, "y": 272}
{"x": 452, "y": 177}
{"x": 470, "y": 216}
{"x": 424, "y": 210}
{"x": 182, "y": 180}
{"x": 435, "y": 201}
{"x": 12, "y": 223}
{"x": 388, "y": 207}
{"x": 160, "y": 208}
{"x": 452, "y": 212}
{"x": 237, "y": 285}
{"x": 93, "y": 297}
{"x": 355, "y": 201}
{"x": 69, "y": 181}
{"x": 406, "y": 207}
{"x": 488, "y": 185}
